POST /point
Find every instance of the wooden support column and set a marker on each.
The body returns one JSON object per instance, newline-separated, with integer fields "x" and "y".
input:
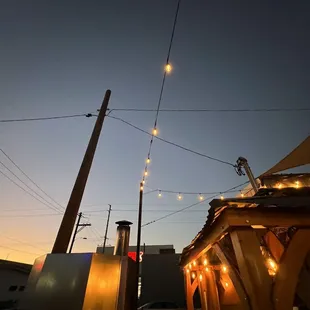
{"x": 289, "y": 269}
{"x": 213, "y": 302}
{"x": 234, "y": 277}
{"x": 253, "y": 272}
{"x": 203, "y": 291}
{"x": 190, "y": 289}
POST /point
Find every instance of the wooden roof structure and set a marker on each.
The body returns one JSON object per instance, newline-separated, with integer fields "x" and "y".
{"x": 251, "y": 252}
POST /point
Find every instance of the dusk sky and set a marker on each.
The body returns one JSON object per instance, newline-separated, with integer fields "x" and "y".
{"x": 59, "y": 57}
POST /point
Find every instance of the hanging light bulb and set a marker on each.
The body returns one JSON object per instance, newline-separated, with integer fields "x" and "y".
{"x": 205, "y": 262}
{"x": 200, "y": 197}
{"x": 241, "y": 194}
{"x": 226, "y": 284}
{"x": 180, "y": 197}
{"x": 194, "y": 263}
{"x": 187, "y": 270}
{"x": 141, "y": 188}
{"x": 193, "y": 275}
{"x": 200, "y": 277}
{"x": 155, "y": 132}
{"x": 145, "y": 173}
{"x": 280, "y": 186}
{"x": 297, "y": 184}
{"x": 159, "y": 194}
{"x": 224, "y": 268}
{"x": 168, "y": 68}
{"x": 222, "y": 197}
{"x": 190, "y": 266}
{"x": 143, "y": 181}
{"x": 148, "y": 160}
{"x": 207, "y": 269}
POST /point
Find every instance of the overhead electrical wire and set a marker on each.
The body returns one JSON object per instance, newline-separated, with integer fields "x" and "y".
{"x": 45, "y": 118}
{"x": 171, "y": 143}
{"x": 28, "y": 192}
{"x": 33, "y": 182}
{"x": 17, "y": 250}
{"x": 191, "y": 206}
{"x": 214, "y": 110}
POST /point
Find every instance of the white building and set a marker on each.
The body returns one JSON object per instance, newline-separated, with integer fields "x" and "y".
{"x": 13, "y": 279}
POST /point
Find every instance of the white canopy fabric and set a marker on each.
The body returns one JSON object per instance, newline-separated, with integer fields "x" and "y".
{"x": 300, "y": 156}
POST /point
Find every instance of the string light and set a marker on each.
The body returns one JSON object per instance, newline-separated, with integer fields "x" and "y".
{"x": 155, "y": 132}
{"x": 159, "y": 194}
{"x": 222, "y": 197}
{"x": 180, "y": 197}
{"x": 168, "y": 68}
{"x": 279, "y": 186}
{"x": 297, "y": 184}
{"x": 224, "y": 268}
{"x": 146, "y": 173}
{"x": 143, "y": 181}
{"x": 194, "y": 263}
{"x": 207, "y": 269}
{"x": 200, "y": 197}
{"x": 190, "y": 266}
{"x": 205, "y": 262}
{"x": 241, "y": 194}
{"x": 187, "y": 270}
{"x": 141, "y": 188}
{"x": 193, "y": 275}
{"x": 226, "y": 284}
{"x": 148, "y": 160}
{"x": 200, "y": 277}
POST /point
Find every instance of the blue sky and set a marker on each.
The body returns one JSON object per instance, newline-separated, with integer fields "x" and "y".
{"x": 58, "y": 58}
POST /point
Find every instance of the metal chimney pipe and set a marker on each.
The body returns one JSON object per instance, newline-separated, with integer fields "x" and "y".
{"x": 122, "y": 238}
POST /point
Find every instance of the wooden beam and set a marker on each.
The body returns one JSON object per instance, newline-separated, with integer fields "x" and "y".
{"x": 289, "y": 270}
{"x": 212, "y": 296}
{"x": 190, "y": 289}
{"x": 253, "y": 271}
{"x": 268, "y": 217}
{"x": 234, "y": 277}
{"x": 202, "y": 291}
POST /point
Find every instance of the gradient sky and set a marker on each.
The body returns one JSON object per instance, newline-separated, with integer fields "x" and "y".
{"x": 59, "y": 57}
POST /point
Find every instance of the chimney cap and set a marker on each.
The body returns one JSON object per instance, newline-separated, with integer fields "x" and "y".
{"x": 123, "y": 223}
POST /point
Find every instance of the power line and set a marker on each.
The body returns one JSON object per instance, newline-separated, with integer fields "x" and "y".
{"x": 11, "y": 180}
{"x": 190, "y": 206}
{"x": 16, "y": 250}
{"x": 45, "y": 118}
{"x": 34, "y": 183}
{"x": 172, "y": 143}
{"x": 32, "y": 190}
{"x": 214, "y": 110}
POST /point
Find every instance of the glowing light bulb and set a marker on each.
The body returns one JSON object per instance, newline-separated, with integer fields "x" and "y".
{"x": 241, "y": 194}
{"x": 146, "y": 173}
{"x": 180, "y": 197}
{"x": 159, "y": 194}
{"x": 200, "y": 197}
{"x": 200, "y": 277}
{"x": 222, "y": 197}
{"x": 226, "y": 284}
{"x": 297, "y": 184}
{"x": 168, "y": 68}
{"x": 205, "y": 262}
{"x": 280, "y": 186}
{"x": 141, "y": 188}
{"x": 224, "y": 268}
{"x": 207, "y": 269}
{"x": 190, "y": 266}
{"x": 194, "y": 263}
{"x": 148, "y": 161}
{"x": 187, "y": 270}
{"x": 155, "y": 132}
{"x": 193, "y": 275}
{"x": 272, "y": 264}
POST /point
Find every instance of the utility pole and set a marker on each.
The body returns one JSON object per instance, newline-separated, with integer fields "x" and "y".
{"x": 243, "y": 163}
{"x": 138, "y": 241}
{"x": 76, "y": 229}
{"x": 106, "y": 229}
{"x": 66, "y": 227}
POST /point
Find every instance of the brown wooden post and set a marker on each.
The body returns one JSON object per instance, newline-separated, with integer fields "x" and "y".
{"x": 289, "y": 270}
{"x": 68, "y": 220}
{"x": 234, "y": 277}
{"x": 213, "y": 302}
{"x": 202, "y": 290}
{"x": 254, "y": 274}
{"x": 189, "y": 290}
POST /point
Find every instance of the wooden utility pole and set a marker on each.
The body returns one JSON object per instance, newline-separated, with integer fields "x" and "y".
{"x": 76, "y": 230}
{"x": 68, "y": 220}
{"x": 106, "y": 229}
